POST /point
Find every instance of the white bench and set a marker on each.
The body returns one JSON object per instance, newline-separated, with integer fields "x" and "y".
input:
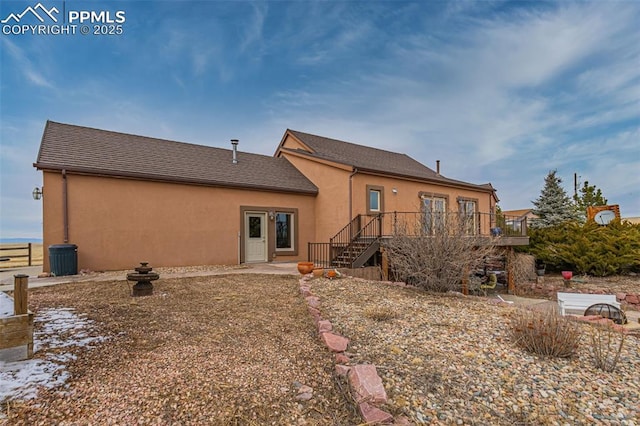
{"x": 580, "y": 301}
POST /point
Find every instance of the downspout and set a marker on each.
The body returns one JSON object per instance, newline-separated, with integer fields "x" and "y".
{"x": 65, "y": 209}
{"x": 355, "y": 171}
{"x": 492, "y": 213}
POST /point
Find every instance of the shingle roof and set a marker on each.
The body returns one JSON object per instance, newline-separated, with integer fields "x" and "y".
{"x": 366, "y": 158}
{"x": 94, "y": 151}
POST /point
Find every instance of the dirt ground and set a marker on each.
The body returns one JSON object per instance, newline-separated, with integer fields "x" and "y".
{"x": 228, "y": 350}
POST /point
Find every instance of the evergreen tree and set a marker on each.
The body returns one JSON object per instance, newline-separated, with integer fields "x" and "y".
{"x": 589, "y": 196}
{"x": 553, "y": 206}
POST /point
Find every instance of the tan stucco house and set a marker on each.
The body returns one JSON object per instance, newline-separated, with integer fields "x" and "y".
{"x": 124, "y": 198}
{"x": 519, "y": 219}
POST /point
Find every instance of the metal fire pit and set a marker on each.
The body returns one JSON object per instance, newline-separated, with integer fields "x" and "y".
{"x": 143, "y": 277}
{"x": 607, "y": 311}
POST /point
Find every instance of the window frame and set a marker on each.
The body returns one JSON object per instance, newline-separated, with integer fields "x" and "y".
{"x": 292, "y": 230}
{"x": 473, "y": 227}
{"x": 380, "y": 191}
{"x": 436, "y": 218}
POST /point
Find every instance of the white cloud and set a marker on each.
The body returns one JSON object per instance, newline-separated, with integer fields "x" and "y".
{"x": 498, "y": 94}
{"x": 506, "y": 91}
{"x": 25, "y": 65}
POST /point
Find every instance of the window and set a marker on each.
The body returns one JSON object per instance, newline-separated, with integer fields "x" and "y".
{"x": 375, "y": 199}
{"x": 434, "y": 214}
{"x": 284, "y": 231}
{"x": 467, "y": 215}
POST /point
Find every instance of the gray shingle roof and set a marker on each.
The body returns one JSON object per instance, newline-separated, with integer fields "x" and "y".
{"x": 373, "y": 159}
{"x": 94, "y": 151}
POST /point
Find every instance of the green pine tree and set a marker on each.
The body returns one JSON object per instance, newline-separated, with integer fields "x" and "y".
{"x": 553, "y": 206}
{"x": 589, "y": 196}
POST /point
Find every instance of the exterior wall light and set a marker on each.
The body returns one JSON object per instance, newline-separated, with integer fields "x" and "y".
{"x": 37, "y": 193}
{"x": 394, "y": 190}
{"x": 272, "y": 215}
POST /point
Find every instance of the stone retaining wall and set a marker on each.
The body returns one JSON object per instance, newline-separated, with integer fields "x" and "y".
{"x": 549, "y": 290}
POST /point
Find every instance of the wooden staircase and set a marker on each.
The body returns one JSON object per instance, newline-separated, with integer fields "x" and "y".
{"x": 357, "y": 253}
{"x": 354, "y": 245}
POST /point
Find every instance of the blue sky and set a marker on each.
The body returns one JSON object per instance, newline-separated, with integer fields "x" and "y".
{"x": 499, "y": 92}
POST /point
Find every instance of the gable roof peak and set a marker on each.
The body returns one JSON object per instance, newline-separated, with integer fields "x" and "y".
{"x": 305, "y": 134}
{"x": 369, "y": 159}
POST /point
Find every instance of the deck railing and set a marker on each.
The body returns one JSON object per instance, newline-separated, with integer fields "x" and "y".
{"x": 386, "y": 225}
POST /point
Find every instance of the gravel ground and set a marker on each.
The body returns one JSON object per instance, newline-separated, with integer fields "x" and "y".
{"x": 237, "y": 349}
{"x": 449, "y": 360}
{"x": 219, "y": 350}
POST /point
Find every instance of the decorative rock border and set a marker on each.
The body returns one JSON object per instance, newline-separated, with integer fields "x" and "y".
{"x": 364, "y": 381}
{"x": 598, "y": 320}
{"x": 629, "y": 300}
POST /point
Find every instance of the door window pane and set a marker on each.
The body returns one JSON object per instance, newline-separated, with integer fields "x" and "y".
{"x": 255, "y": 227}
{"x": 467, "y": 210}
{"x": 434, "y": 215}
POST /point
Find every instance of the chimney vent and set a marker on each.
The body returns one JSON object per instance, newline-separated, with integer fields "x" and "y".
{"x": 438, "y": 166}
{"x": 234, "y": 144}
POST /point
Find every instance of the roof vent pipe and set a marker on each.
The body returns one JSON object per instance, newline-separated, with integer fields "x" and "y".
{"x": 234, "y": 144}
{"x": 438, "y": 166}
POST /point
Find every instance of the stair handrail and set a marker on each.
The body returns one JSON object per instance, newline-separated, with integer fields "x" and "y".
{"x": 374, "y": 224}
{"x": 339, "y": 237}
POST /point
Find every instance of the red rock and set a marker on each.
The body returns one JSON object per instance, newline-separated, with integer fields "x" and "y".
{"x": 619, "y": 328}
{"x": 324, "y": 326}
{"x": 342, "y": 370}
{"x": 334, "y": 342}
{"x": 341, "y": 358}
{"x": 374, "y": 416}
{"x": 632, "y": 298}
{"x": 305, "y": 290}
{"x": 367, "y": 384}
{"x": 620, "y": 296}
{"x": 315, "y": 314}
{"x": 313, "y": 301}
{"x": 313, "y": 311}
{"x": 590, "y": 318}
{"x": 402, "y": 421}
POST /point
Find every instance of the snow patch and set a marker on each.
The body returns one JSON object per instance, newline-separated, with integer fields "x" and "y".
{"x": 56, "y": 329}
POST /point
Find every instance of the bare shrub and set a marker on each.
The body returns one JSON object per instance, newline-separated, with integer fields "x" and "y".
{"x": 524, "y": 267}
{"x": 436, "y": 257}
{"x": 380, "y": 313}
{"x": 546, "y": 333}
{"x": 606, "y": 346}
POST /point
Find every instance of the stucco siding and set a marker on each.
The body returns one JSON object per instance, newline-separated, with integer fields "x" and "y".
{"x": 407, "y": 197}
{"x": 117, "y": 223}
{"x": 332, "y": 201}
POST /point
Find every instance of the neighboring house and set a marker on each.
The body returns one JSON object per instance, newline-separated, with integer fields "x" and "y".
{"x": 123, "y": 198}
{"x": 519, "y": 219}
